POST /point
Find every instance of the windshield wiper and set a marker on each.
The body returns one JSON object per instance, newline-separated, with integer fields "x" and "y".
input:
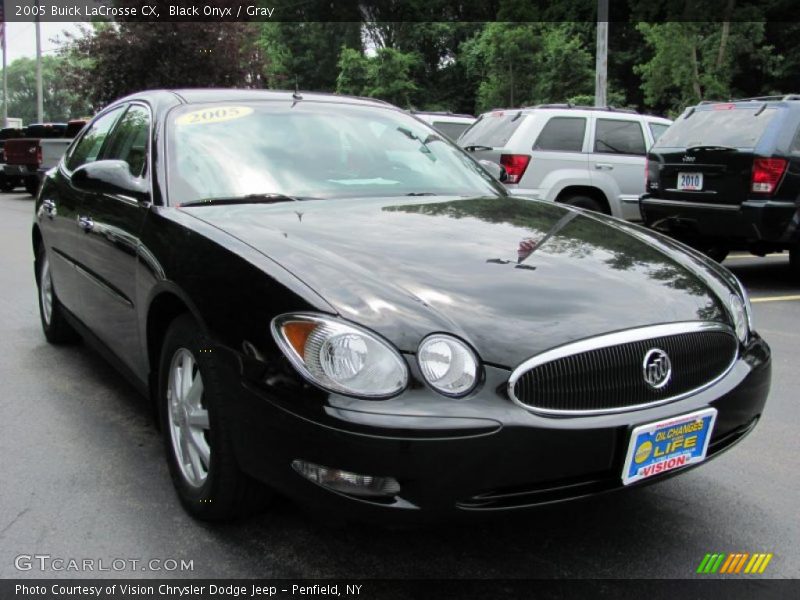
{"x": 421, "y": 194}
{"x": 246, "y": 199}
{"x": 477, "y": 147}
{"x": 710, "y": 147}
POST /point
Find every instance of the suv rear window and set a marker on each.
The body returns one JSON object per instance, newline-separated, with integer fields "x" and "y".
{"x": 738, "y": 127}
{"x": 492, "y": 129}
{"x": 562, "y": 133}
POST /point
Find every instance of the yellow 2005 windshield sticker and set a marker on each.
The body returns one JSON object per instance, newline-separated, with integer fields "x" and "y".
{"x": 215, "y": 114}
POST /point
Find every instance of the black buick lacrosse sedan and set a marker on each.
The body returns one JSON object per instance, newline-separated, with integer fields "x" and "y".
{"x": 325, "y": 298}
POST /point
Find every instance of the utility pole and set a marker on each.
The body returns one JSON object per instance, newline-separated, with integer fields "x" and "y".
{"x": 5, "y": 71}
{"x": 39, "y": 101}
{"x": 601, "y": 60}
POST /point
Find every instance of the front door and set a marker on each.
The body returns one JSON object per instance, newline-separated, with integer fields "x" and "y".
{"x": 59, "y": 210}
{"x": 110, "y": 245}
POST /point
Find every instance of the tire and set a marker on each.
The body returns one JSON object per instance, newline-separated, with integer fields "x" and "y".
{"x": 585, "y": 202}
{"x": 199, "y": 452}
{"x": 32, "y": 185}
{"x": 7, "y": 184}
{"x": 794, "y": 261}
{"x": 54, "y": 324}
{"x": 716, "y": 253}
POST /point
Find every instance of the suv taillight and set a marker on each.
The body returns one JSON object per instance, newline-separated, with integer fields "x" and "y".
{"x": 767, "y": 173}
{"x": 38, "y": 155}
{"x": 515, "y": 165}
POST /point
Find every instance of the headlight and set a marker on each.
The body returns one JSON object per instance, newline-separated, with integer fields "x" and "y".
{"x": 448, "y": 364}
{"x": 742, "y": 312}
{"x": 340, "y": 357}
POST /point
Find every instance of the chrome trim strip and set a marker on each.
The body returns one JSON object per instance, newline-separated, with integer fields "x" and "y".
{"x": 614, "y": 339}
{"x": 687, "y": 204}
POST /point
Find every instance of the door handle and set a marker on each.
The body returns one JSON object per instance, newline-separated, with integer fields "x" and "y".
{"x": 86, "y": 223}
{"x": 604, "y": 167}
{"x": 49, "y": 207}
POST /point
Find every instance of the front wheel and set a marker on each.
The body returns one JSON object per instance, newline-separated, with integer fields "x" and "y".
{"x": 32, "y": 185}
{"x": 197, "y": 436}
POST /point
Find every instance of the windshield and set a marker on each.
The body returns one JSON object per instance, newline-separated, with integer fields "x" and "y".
{"x": 312, "y": 150}
{"x": 735, "y": 126}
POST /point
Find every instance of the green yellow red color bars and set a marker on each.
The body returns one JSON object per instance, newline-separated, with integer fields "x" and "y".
{"x": 734, "y": 563}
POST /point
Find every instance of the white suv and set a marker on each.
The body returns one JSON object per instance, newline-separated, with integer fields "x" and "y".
{"x": 588, "y": 157}
{"x": 450, "y": 124}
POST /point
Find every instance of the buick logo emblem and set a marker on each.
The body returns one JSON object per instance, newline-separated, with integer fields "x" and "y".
{"x": 656, "y": 368}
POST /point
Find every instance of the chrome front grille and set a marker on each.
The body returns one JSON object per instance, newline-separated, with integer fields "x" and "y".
{"x": 608, "y": 373}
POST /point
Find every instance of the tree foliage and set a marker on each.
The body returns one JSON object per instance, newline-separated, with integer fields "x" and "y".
{"x": 59, "y": 103}
{"x": 697, "y": 61}
{"x": 524, "y": 64}
{"x": 114, "y": 59}
{"x": 464, "y": 57}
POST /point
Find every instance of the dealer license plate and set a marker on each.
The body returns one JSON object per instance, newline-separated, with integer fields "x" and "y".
{"x": 666, "y": 445}
{"x": 690, "y": 182}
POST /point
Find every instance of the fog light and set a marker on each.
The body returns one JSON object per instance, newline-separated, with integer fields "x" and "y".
{"x": 347, "y": 482}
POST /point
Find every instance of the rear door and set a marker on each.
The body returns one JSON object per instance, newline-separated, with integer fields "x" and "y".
{"x": 558, "y": 157}
{"x": 110, "y": 243}
{"x": 616, "y": 162}
{"x": 707, "y": 155}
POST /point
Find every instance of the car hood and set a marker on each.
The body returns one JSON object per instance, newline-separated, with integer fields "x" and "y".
{"x": 511, "y": 276}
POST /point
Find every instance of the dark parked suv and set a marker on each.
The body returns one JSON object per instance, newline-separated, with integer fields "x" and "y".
{"x": 726, "y": 176}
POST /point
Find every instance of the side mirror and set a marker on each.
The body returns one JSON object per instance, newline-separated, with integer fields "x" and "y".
{"x": 111, "y": 177}
{"x": 495, "y": 170}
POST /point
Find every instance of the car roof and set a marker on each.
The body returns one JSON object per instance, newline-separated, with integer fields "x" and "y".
{"x": 584, "y": 111}
{"x": 441, "y": 113}
{"x": 203, "y": 95}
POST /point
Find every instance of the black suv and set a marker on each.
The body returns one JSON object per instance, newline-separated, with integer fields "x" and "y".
{"x": 726, "y": 176}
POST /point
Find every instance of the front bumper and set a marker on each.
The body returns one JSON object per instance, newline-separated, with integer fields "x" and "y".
{"x": 771, "y": 221}
{"x": 481, "y": 454}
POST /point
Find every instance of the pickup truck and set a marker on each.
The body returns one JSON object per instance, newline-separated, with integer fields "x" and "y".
{"x": 52, "y": 149}
{"x": 23, "y": 155}
{"x": 7, "y": 184}
{"x": 29, "y": 157}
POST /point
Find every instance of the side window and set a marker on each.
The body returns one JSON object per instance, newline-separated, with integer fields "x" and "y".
{"x": 129, "y": 142}
{"x": 619, "y": 137}
{"x": 657, "y": 129}
{"x": 564, "y": 134}
{"x": 89, "y": 146}
{"x": 795, "y": 147}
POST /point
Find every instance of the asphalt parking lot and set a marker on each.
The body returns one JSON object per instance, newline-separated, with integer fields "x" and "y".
{"x": 82, "y": 476}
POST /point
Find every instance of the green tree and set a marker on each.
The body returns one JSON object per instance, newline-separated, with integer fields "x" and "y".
{"x": 353, "y": 75}
{"x": 115, "y": 59}
{"x": 305, "y": 51}
{"x": 386, "y": 75}
{"x": 530, "y": 63}
{"x": 694, "y": 61}
{"x": 59, "y": 104}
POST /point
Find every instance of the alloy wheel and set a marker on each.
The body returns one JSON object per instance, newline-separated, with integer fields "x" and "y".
{"x": 188, "y": 418}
